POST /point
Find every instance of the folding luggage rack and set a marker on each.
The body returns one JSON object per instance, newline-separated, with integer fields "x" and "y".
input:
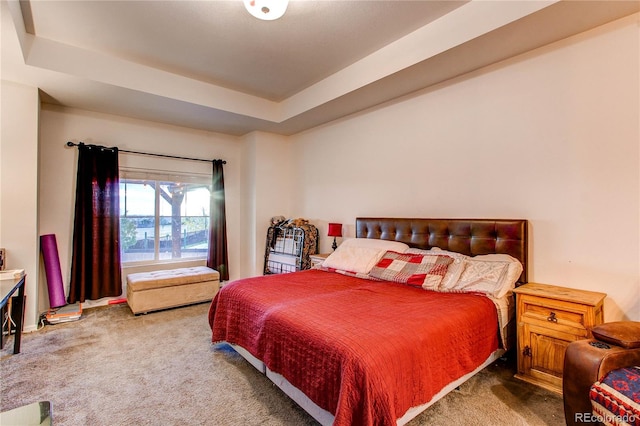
{"x": 288, "y": 248}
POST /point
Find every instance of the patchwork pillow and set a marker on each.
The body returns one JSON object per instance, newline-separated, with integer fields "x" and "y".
{"x": 419, "y": 270}
{"x": 455, "y": 269}
{"x": 359, "y": 255}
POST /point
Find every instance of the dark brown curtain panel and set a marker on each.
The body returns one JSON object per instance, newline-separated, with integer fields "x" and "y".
{"x": 218, "y": 258}
{"x": 95, "y": 262}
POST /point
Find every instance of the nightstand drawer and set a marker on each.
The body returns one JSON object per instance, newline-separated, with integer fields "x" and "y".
{"x": 566, "y": 317}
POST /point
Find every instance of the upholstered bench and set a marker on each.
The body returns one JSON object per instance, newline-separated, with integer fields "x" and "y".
{"x": 152, "y": 291}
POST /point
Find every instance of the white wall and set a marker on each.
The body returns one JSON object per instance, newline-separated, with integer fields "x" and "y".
{"x": 267, "y": 192}
{"x": 551, "y": 136}
{"x": 58, "y": 166}
{"x": 19, "y": 187}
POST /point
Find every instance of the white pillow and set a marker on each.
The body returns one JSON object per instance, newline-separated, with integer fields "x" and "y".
{"x": 515, "y": 267}
{"x": 494, "y": 275}
{"x": 453, "y": 272}
{"x": 359, "y": 255}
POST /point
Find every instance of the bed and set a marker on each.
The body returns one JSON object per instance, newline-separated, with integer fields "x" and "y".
{"x": 390, "y": 323}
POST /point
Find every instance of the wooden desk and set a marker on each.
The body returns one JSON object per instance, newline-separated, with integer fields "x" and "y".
{"x": 8, "y": 287}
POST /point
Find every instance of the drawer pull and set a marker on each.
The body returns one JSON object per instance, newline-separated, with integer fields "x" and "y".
{"x": 552, "y": 317}
{"x": 527, "y": 351}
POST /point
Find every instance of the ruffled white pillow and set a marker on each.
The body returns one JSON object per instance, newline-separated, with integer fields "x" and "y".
{"x": 515, "y": 267}
{"x": 359, "y": 255}
{"x": 493, "y": 274}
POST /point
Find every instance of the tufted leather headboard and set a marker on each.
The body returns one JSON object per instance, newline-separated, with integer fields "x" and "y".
{"x": 466, "y": 236}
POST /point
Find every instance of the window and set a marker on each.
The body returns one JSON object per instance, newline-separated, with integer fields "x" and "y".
{"x": 163, "y": 217}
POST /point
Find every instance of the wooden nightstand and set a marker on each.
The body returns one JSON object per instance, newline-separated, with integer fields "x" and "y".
{"x": 549, "y": 318}
{"x": 317, "y": 259}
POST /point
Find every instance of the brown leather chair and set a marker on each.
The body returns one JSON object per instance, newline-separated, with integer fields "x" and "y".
{"x": 615, "y": 345}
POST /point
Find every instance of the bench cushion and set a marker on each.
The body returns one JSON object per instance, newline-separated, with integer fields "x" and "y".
{"x": 157, "y": 279}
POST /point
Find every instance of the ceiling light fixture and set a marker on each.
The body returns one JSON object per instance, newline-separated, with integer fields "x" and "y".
{"x": 267, "y": 10}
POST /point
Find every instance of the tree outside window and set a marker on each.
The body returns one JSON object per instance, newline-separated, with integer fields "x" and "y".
{"x": 161, "y": 220}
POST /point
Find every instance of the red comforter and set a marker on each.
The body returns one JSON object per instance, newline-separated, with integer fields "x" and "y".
{"x": 363, "y": 350}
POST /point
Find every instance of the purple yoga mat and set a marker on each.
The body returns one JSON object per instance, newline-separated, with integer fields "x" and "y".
{"x": 49, "y": 249}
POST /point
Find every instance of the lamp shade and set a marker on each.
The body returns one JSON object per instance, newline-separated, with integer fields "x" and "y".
{"x": 267, "y": 10}
{"x": 335, "y": 230}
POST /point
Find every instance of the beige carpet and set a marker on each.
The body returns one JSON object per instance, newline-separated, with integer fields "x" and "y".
{"x": 113, "y": 368}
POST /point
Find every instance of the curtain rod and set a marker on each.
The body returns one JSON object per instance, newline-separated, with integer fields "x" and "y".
{"x": 154, "y": 155}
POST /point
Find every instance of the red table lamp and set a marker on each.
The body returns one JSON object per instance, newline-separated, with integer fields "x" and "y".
{"x": 335, "y": 230}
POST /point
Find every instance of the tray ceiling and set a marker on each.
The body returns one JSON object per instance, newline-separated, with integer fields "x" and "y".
{"x": 210, "y": 65}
